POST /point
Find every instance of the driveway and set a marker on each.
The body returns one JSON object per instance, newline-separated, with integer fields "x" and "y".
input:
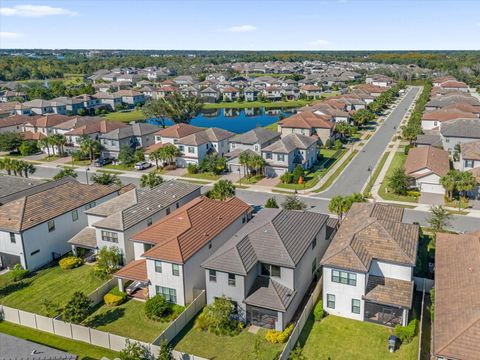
{"x": 431, "y": 198}
{"x": 356, "y": 173}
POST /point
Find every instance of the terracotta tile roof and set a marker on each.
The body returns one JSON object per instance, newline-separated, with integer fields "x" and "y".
{"x": 30, "y": 135}
{"x": 372, "y": 231}
{"x": 431, "y": 158}
{"x": 32, "y": 210}
{"x": 230, "y": 89}
{"x": 457, "y": 304}
{"x": 102, "y": 127}
{"x": 49, "y": 120}
{"x": 13, "y": 120}
{"x": 310, "y": 88}
{"x": 470, "y": 150}
{"x": 371, "y": 89}
{"x": 453, "y": 84}
{"x": 447, "y": 114}
{"x": 179, "y": 130}
{"x": 135, "y": 270}
{"x": 476, "y": 173}
{"x": 154, "y": 147}
{"x": 464, "y": 107}
{"x": 180, "y": 235}
{"x": 307, "y": 120}
{"x": 388, "y": 291}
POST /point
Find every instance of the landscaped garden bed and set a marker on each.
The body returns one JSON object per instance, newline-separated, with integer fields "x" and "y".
{"x": 398, "y": 162}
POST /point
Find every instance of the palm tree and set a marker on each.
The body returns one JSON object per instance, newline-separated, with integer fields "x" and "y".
{"x": 6, "y": 164}
{"x": 106, "y": 179}
{"x": 466, "y": 182}
{"x": 449, "y": 182}
{"x": 222, "y": 190}
{"x": 170, "y": 152}
{"x": 64, "y": 173}
{"x": 28, "y": 168}
{"x": 52, "y": 141}
{"x": 180, "y": 108}
{"x": 44, "y": 143}
{"x": 258, "y": 163}
{"x": 338, "y": 205}
{"x": 157, "y": 156}
{"x": 150, "y": 180}
{"x": 244, "y": 160}
{"x": 59, "y": 140}
{"x": 16, "y": 167}
{"x": 90, "y": 147}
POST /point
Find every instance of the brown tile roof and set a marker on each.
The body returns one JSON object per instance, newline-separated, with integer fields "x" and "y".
{"x": 453, "y": 84}
{"x": 447, "y": 114}
{"x": 180, "y": 235}
{"x": 230, "y": 89}
{"x": 154, "y": 147}
{"x": 135, "y": 270}
{"x": 372, "y": 231}
{"x": 464, "y": 107}
{"x": 470, "y": 150}
{"x": 476, "y": 173}
{"x": 13, "y": 120}
{"x": 310, "y": 88}
{"x": 457, "y": 300}
{"x": 371, "y": 89}
{"x": 32, "y": 210}
{"x": 388, "y": 291}
{"x": 49, "y": 120}
{"x": 30, "y": 135}
{"x": 102, "y": 127}
{"x": 435, "y": 160}
{"x": 179, "y": 130}
{"x": 307, "y": 120}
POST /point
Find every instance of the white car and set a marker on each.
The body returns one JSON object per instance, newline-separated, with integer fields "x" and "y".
{"x": 142, "y": 165}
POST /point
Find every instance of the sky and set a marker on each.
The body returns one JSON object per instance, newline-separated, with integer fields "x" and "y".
{"x": 241, "y": 25}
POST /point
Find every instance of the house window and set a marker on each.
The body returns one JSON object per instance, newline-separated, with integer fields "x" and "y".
{"x": 51, "y": 225}
{"x": 158, "y": 266}
{"x": 191, "y": 150}
{"x": 212, "y": 275}
{"x": 270, "y": 270}
{"x": 12, "y": 238}
{"x": 231, "y": 279}
{"x": 35, "y": 252}
{"x": 168, "y": 211}
{"x": 280, "y": 157}
{"x": 355, "y": 306}
{"x": 344, "y": 277}
{"x": 175, "y": 270}
{"x": 90, "y": 205}
{"x": 233, "y": 146}
{"x": 256, "y": 148}
{"x": 74, "y": 215}
{"x": 268, "y": 155}
{"x": 181, "y": 148}
{"x": 314, "y": 266}
{"x": 469, "y": 163}
{"x": 109, "y": 236}
{"x": 177, "y": 205}
{"x": 169, "y": 294}
{"x": 314, "y": 243}
{"x": 149, "y": 221}
{"x": 330, "y": 301}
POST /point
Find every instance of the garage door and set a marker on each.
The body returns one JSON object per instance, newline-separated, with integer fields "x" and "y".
{"x": 432, "y": 188}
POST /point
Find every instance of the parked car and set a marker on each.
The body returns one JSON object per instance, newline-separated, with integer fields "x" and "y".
{"x": 142, "y": 165}
{"x": 102, "y": 162}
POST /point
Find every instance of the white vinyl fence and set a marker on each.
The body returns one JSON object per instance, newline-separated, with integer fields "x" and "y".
{"x": 97, "y": 295}
{"x": 182, "y": 320}
{"x": 302, "y": 320}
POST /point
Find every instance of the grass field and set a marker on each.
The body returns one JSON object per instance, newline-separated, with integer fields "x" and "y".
{"x": 337, "y": 172}
{"x": 375, "y": 174}
{"x": 239, "y": 347}
{"x": 51, "y": 283}
{"x": 203, "y": 176}
{"x": 119, "y": 167}
{"x": 83, "y": 350}
{"x": 340, "y": 338}
{"x": 397, "y": 162}
{"x": 126, "y": 116}
{"x": 272, "y": 127}
{"x": 127, "y": 319}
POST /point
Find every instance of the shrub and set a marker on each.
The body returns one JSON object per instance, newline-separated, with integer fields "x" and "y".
{"x": 192, "y": 168}
{"x": 297, "y": 173}
{"x": 216, "y": 318}
{"x": 114, "y": 297}
{"x": 318, "y": 312}
{"x": 329, "y": 144}
{"x": 271, "y": 203}
{"x": 70, "y": 262}
{"x": 157, "y": 308}
{"x": 413, "y": 193}
{"x": 406, "y": 333}
{"x": 279, "y": 337}
{"x": 338, "y": 145}
{"x": 17, "y": 273}
{"x": 406, "y": 149}
{"x": 287, "y": 178}
{"x": 77, "y": 308}
{"x": 107, "y": 262}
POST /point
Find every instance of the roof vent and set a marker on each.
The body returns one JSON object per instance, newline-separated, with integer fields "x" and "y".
{"x": 205, "y": 234}
{"x": 174, "y": 196}
{"x": 148, "y": 208}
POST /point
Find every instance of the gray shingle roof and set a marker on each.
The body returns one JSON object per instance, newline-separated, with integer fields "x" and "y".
{"x": 144, "y": 203}
{"x": 258, "y": 135}
{"x": 138, "y": 129}
{"x": 268, "y": 293}
{"x": 467, "y": 128}
{"x": 16, "y": 348}
{"x": 13, "y": 187}
{"x": 291, "y": 142}
{"x": 208, "y": 135}
{"x": 274, "y": 236}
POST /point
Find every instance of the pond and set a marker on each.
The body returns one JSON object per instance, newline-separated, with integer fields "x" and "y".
{"x": 235, "y": 120}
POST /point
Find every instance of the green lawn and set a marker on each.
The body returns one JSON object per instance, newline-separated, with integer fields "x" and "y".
{"x": 203, "y": 176}
{"x": 340, "y": 338}
{"x": 272, "y": 127}
{"x": 337, "y": 172}
{"x": 251, "y": 180}
{"x": 375, "y": 174}
{"x": 83, "y": 350}
{"x": 119, "y": 167}
{"x": 126, "y": 116}
{"x": 397, "y": 162}
{"x": 81, "y": 162}
{"x": 127, "y": 319}
{"x": 51, "y": 283}
{"x": 50, "y": 158}
{"x": 239, "y": 347}
{"x": 313, "y": 176}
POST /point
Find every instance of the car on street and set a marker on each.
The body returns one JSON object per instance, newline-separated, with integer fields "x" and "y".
{"x": 102, "y": 162}
{"x": 142, "y": 165}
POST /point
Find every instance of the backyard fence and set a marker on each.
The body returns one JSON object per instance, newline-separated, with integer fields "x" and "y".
{"x": 97, "y": 295}
{"x": 182, "y": 320}
{"x": 302, "y": 320}
{"x": 421, "y": 326}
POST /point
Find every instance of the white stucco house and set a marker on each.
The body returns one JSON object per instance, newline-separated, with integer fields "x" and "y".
{"x": 169, "y": 252}
{"x": 368, "y": 267}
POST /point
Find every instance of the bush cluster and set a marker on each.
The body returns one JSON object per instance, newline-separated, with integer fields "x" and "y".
{"x": 217, "y": 318}
{"x": 17, "y": 273}
{"x": 293, "y": 177}
{"x": 114, "y": 297}
{"x": 318, "y": 311}
{"x": 279, "y": 337}
{"x": 70, "y": 262}
{"x": 406, "y": 333}
{"x": 159, "y": 309}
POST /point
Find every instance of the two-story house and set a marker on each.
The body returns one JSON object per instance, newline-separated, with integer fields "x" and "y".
{"x": 172, "y": 133}
{"x": 112, "y": 101}
{"x": 131, "y": 98}
{"x": 34, "y": 228}
{"x": 368, "y": 267}
{"x": 195, "y": 147}
{"x": 266, "y": 268}
{"x": 454, "y": 133}
{"x": 139, "y": 135}
{"x": 45, "y": 124}
{"x": 114, "y": 222}
{"x": 308, "y": 123}
{"x": 169, "y": 252}
{"x": 72, "y": 105}
{"x": 288, "y": 152}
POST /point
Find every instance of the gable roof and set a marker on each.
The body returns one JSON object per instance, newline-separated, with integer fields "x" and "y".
{"x": 457, "y": 304}
{"x": 205, "y": 136}
{"x": 48, "y": 120}
{"x": 291, "y": 142}
{"x": 259, "y": 135}
{"x": 470, "y": 150}
{"x": 435, "y": 160}
{"x": 34, "y": 209}
{"x": 138, "y": 129}
{"x": 372, "y": 231}
{"x": 468, "y": 128}
{"x": 273, "y": 236}
{"x": 447, "y": 114}
{"x": 270, "y": 294}
{"x": 185, "y": 231}
{"x": 307, "y": 120}
{"x": 179, "y": 130}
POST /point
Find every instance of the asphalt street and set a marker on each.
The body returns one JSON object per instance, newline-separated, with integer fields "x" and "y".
{"x": 357, "y": 173}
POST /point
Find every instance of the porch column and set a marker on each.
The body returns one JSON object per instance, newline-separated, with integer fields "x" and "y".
{"x": 120, "y": 285}
{"x": 74, "y": 250}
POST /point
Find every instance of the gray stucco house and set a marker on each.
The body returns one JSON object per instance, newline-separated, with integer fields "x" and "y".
{"x": 136, "y": 136}
{"x": 459, "y": 131}
{"x": 266, "y": 268}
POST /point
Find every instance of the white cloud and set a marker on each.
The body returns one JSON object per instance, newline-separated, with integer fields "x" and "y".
{"x": 320, "y": 42}
{"x": 35, "y": 11}
{"x": 9, "y": 35}
{"x": 242, "y": 28}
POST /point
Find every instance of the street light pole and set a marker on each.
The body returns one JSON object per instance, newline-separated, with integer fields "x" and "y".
{"x": 239, "y": 177}
{"x": 86, "y": 174}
